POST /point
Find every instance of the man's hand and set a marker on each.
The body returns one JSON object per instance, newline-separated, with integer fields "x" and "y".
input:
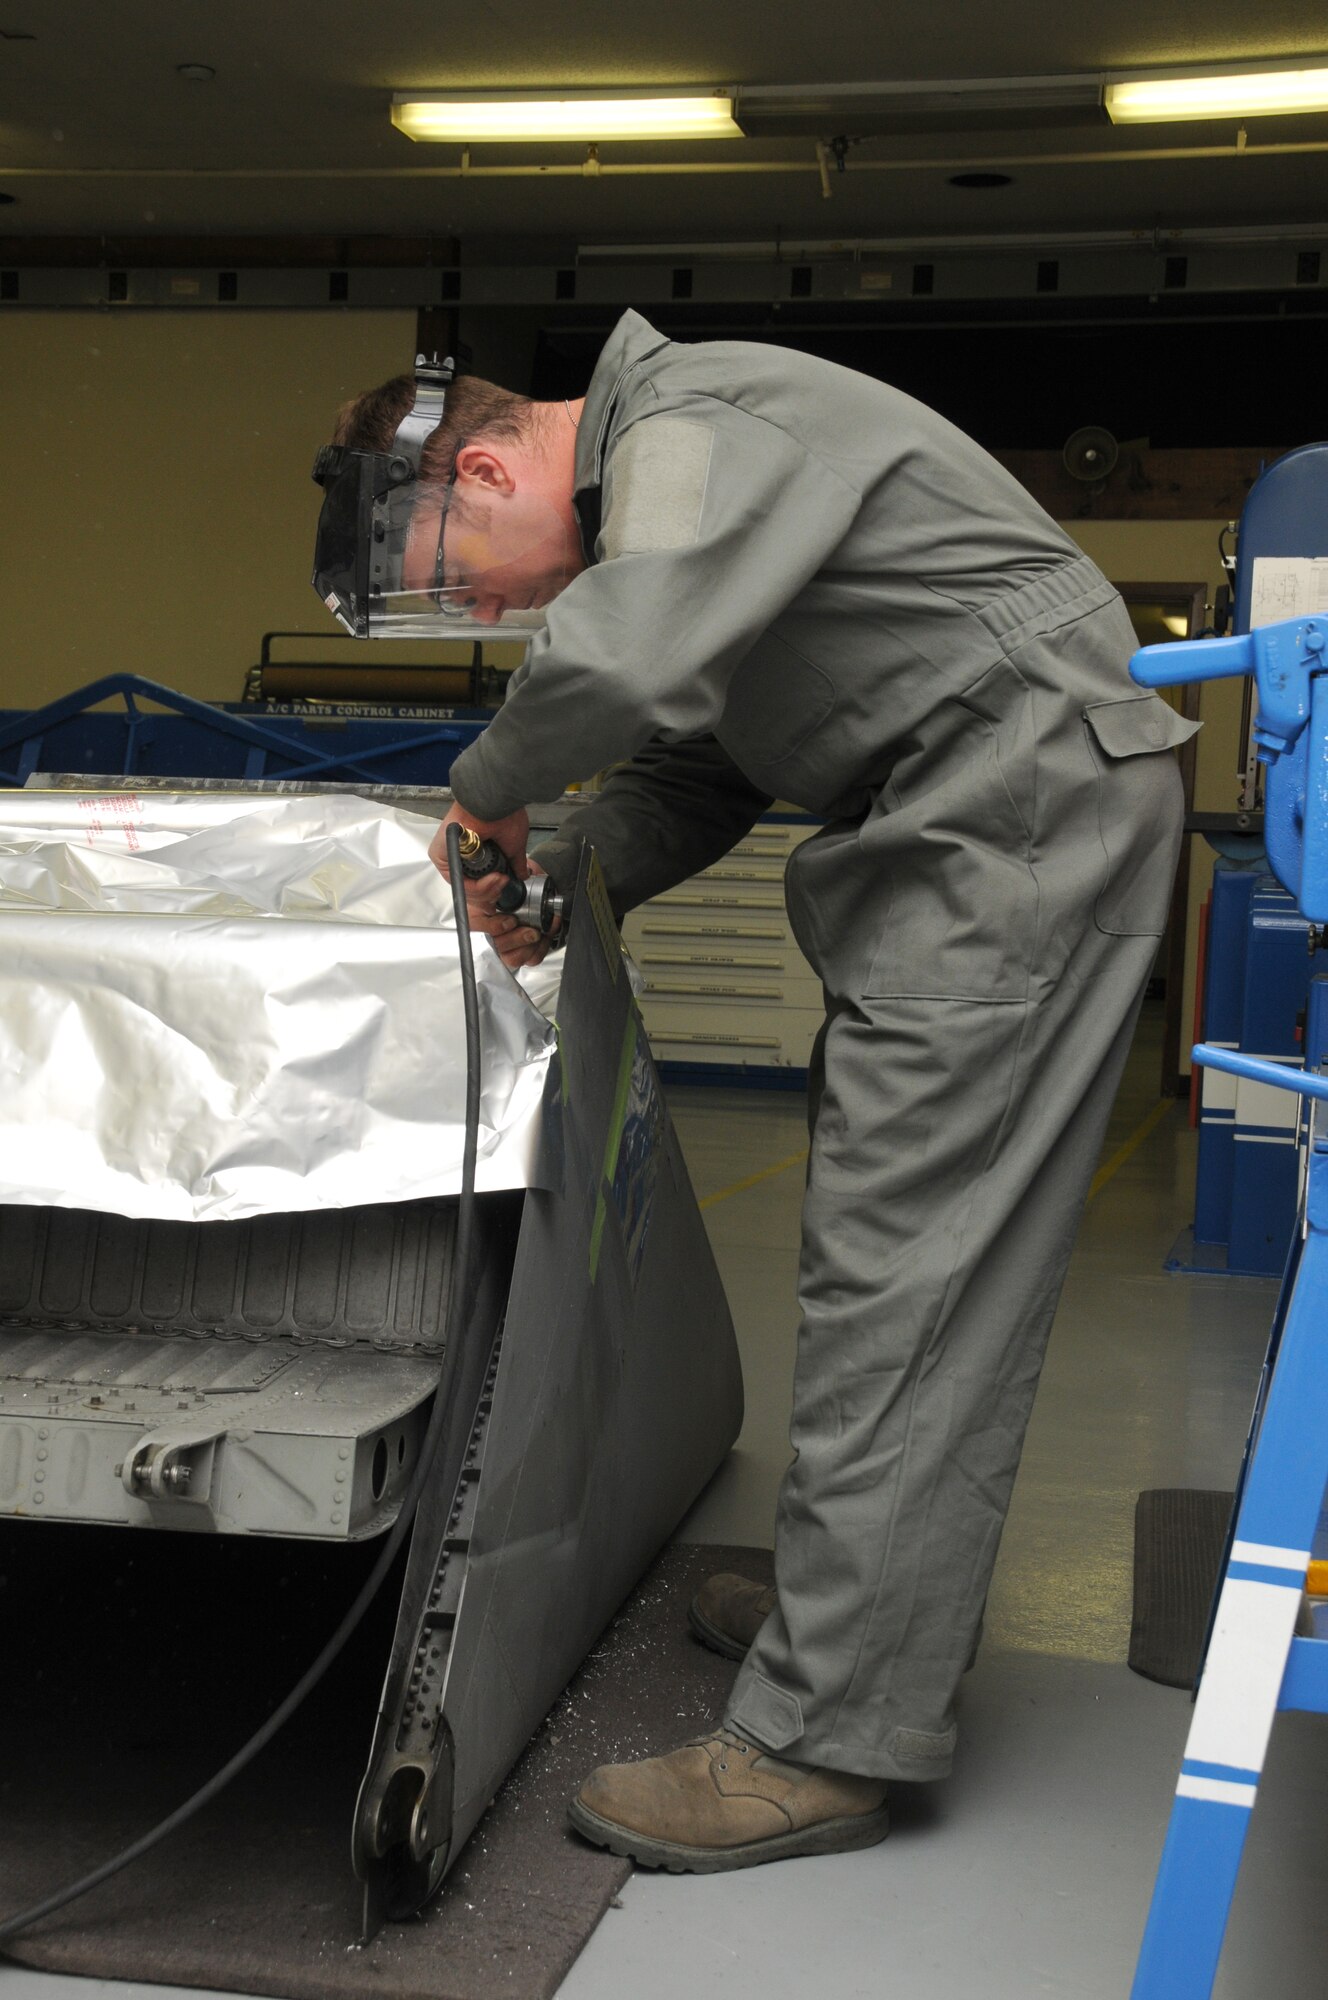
{"x": 511, "y": 834}
{"x": 515, "y": 944}
{"x": 522, "y": 945}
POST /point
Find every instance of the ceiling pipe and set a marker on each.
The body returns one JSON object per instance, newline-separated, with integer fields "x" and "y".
{"x": 612, "y": 169}
{"x": 823, "y": 165}
{"x": 804, "y": 250}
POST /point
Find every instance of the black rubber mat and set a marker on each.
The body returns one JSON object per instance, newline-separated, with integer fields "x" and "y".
{"x": 1179, "y": 1539}
{"x": 133, "y": 1664}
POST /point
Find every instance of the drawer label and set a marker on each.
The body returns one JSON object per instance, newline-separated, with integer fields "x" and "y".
{"x": 739, "y": 875}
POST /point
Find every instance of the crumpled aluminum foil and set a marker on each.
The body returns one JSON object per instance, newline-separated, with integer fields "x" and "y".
{"x": 215, "y": 1006}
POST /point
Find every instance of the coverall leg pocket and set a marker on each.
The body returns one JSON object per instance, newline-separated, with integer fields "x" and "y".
{"x": 1139, "y": 794}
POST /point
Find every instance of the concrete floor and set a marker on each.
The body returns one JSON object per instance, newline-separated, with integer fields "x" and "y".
{"x": 1029, "y": 1872}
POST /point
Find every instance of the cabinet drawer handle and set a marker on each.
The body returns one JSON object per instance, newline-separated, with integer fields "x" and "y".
{"x": 710, "y": 958}
{"x": 713, "y": 930}
{"x": 719, "y": 903}
{"x": 719, "y": 1041}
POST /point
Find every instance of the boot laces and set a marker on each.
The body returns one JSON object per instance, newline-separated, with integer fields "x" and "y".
{"x": 725, "y": 1740}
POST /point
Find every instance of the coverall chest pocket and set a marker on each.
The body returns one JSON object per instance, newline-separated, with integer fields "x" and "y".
{"x": 777, "y": 701}
{"x": 1139, "y": 810}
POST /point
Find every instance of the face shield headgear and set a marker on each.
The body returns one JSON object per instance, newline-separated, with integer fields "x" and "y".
{"x": 399, "y": 556}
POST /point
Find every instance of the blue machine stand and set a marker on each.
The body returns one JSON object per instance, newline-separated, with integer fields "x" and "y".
{"x": 1255, "y": 1663}
{"x": 1247, "y": 1187}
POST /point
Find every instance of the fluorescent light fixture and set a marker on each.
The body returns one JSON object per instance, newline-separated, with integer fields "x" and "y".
{"x": 1254, "y": 93}
{"x": 585, "y": 116}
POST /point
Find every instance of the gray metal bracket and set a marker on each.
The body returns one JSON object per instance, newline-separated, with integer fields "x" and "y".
{"x": 403, "y": 1816}
{"x": 402, "y": 1826}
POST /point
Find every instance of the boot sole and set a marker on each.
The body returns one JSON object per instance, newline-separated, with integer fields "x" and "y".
{"x": 834, "y": 1836}
{"x": 714, "y": 1637}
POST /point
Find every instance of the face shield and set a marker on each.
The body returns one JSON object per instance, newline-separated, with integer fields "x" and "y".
{"x": 401, "y": 555}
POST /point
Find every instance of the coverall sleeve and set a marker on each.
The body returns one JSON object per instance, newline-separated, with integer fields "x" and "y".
{"x": 674, "y": 809}
{"x": 645, "y": 642}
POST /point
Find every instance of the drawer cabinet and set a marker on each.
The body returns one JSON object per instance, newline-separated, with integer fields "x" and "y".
{"x": 725, "y": 984}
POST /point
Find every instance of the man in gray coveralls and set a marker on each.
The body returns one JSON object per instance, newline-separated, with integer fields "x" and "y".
{"x": 787, "y": 580}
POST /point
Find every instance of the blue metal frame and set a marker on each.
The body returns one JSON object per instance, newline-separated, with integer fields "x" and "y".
{"x": 1247, "y": 1183}
{"x": 1289, "y": 661}
{"x": 1255, "y": 1665}
{"x": 182, "y": 737}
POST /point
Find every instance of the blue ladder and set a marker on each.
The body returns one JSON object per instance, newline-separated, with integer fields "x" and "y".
{"x": 1255, "y": 1663}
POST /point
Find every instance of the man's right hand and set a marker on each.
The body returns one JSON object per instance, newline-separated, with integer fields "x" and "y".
{"x": 482, "y": 893}
{"x": 516, "y": 944}
{"x": 520, "y": 945}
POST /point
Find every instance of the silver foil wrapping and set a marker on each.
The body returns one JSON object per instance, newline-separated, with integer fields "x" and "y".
{"x": 217, "y": 1006}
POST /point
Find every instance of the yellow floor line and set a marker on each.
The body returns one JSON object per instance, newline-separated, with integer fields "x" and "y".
{"x": 1104, "y": 1173}
{"x": 1111, "y": 1167}
{"x": 753, "y": 1180}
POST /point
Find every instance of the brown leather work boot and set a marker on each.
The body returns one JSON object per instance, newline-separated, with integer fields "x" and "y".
{"x": 728, "y": 1611}
{"x": 722, "y": 1802}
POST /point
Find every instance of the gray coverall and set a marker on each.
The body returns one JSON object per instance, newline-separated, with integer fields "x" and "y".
{"x": 805, "y": 585}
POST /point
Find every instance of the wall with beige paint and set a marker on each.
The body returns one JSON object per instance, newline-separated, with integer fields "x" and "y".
{"x": 157, "y": 514}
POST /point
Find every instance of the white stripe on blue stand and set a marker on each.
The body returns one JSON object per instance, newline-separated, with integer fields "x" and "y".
{"x": 1216, "y": 1791}
{"x": 1256, "y": 1616}
{"x": 1217, "y": 1088}
{"x": 1271, "y": 1555}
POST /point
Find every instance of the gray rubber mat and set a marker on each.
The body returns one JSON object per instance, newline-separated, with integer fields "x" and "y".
{"x": 135, "y": 1664}
{"x": 1179, "y": 1541}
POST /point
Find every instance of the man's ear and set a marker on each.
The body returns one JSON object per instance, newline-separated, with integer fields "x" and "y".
{"x": 483, "y": 467}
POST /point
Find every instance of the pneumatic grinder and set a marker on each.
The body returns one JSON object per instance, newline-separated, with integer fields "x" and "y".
{"x": 535, "y": 902}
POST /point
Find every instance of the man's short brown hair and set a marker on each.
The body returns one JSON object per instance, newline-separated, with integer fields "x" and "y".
{"x": 474, "y": 411}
